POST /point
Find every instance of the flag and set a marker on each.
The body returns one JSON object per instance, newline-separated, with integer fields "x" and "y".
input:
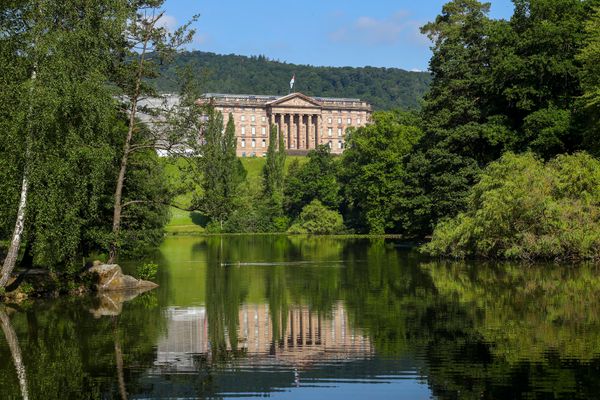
{"x": 292, "y": 81}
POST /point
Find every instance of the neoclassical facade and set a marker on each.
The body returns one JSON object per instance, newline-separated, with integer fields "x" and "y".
{"x": 304, "y": 121}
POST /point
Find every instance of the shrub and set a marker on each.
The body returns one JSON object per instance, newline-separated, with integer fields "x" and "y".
{"x": 315, "y": 218}
{"x": 147, "y": 271}
{"x": 525, "y": 209}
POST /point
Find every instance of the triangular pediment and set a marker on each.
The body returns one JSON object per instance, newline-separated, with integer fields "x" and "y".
{"x": 295, "y": 100}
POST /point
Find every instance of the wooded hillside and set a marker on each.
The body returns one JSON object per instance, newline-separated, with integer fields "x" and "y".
{"x": 384, "y": 88}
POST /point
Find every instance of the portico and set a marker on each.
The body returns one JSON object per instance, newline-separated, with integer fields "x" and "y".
{"x": 305, "y": 122}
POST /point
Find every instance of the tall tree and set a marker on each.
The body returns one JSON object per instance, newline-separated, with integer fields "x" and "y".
{"x": 61, "y": 119}
{"x": 590, "y": 80}
{"x": 146, "y": 43}
{"x": 316, "y": 179}
{"x": 274, "y": 174}
{"x": 372, "y": 170}
{"x": 460, "y": 132}
{"x": 221, "y": 170}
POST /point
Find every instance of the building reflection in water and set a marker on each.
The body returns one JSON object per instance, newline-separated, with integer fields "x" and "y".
{"x": 304, "y": 337}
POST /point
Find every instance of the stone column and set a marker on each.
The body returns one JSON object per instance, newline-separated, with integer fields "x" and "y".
{"x": 290, "y": 130}
{"x": 307, "y": 133}
{"x": 294, "y": 131}
{"x": 301, "y": 139}
{"x": 319, "y": 130}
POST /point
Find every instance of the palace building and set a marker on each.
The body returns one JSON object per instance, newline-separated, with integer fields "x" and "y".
{"x": 305, "y": 122}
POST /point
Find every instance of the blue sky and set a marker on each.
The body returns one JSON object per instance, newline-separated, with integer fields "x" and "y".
{"x": 381, "y": 33}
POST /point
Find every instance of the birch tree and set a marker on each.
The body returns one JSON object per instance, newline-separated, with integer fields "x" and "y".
{"x": 56, "y": 113}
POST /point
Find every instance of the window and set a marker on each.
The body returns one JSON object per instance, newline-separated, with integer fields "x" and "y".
{"x": 253, "y": 118}
{"x": 253, "y": 131}
{"x": 264, "y": 131}
{"x": 243, "y": 131}
{"x": 263, "y": 119}
{"x": 329, "y": 144}
{"x": 339, "y": 144}
{"x": 243, "y": 118}
{"x": 349, "y": 120}
{"x": 358, "y": 120}
{"x": 264, "y": 143}
{"x": 329, "y": 120}
{"x": 329, "y": 131}
{"x": 339, "y": 132}
{"x": 253, "y": 143}
{"x": 243, "y": 142}
{"x": 339, "y": 120}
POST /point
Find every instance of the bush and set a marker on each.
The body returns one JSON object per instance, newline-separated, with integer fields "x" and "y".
{"x": 315, "y": 218}
{"x": 147, "y": 271}
{"x": 525, "y": 209}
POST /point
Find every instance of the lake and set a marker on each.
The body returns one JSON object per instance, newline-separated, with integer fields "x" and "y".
{"x": 313, "y": 317}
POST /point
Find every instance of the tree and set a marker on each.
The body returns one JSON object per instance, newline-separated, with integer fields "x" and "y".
{"x": 589, "y": 56}
{"x": 372, "y": 170}
{"x": 145, "y": 43}
{"x": 273, "y": 176}
{"x": 221, "y": 171}
{"x": 59, "y": 122}
{"x": 316, "y": 179}
{"x": 461, "y": 133}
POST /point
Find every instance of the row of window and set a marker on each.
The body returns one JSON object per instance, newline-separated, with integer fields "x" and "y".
{"x": 329, "y": 120}
{"x": 340, "y": 132}
{"x": 264, "y": 143}
{"x": 253, "y": 143}
{"x": 253, "y": 118}
{"x": 339, "y": 120}
{"x": 263, "y": 131}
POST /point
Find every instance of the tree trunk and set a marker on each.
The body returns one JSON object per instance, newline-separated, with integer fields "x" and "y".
{"x": 15, "y": 351}
{"x": 13, "y": 251}
{"x": 118, "y": 207}
{"x": 116, "y": 228}
{"x": 15, "y": 244}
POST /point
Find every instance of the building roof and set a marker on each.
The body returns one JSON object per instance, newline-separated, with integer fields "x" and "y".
{"x": 271, "y": 97}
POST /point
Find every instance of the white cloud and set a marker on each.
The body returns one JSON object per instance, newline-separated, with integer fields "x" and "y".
{"x": 168, "y": 22}
{"x": 385, "y": 31}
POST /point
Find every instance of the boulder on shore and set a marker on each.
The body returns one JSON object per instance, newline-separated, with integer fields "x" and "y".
{"x": 111, "y": 277}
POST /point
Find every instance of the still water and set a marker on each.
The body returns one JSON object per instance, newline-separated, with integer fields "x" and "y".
{"x": 319, "y": 318}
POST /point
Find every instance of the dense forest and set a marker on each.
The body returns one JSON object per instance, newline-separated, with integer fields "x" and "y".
{"x": 384, "y": 88}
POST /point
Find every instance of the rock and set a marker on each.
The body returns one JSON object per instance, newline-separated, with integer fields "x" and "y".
{"x": 111, "y": 277}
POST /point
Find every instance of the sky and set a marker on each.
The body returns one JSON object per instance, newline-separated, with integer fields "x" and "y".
{"x": 357, "y": 33}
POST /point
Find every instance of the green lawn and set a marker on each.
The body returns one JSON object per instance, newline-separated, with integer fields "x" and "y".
{"x": 185, "y": 222}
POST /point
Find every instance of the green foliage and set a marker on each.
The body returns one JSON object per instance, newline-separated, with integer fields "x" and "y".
{"x": 589, "y": 56}
{"x": 317, "y": 219}
{"x": 147, "y": 271}
{"x": 316, "y": 179}
{"x": 497, "y": 85}
{"x": 385, "y": 88}
{"x": 221, "y": 172}
{"x": 372, "y": 169}
{"x": 525, "y": 209}
{"x": 59, "y": 122}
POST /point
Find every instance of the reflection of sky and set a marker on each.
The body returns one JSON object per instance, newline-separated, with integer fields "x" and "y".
{"x": 390, "y": 389}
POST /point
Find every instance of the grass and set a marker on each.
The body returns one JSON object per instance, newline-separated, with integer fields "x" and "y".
{"x": 185, "y": 222}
